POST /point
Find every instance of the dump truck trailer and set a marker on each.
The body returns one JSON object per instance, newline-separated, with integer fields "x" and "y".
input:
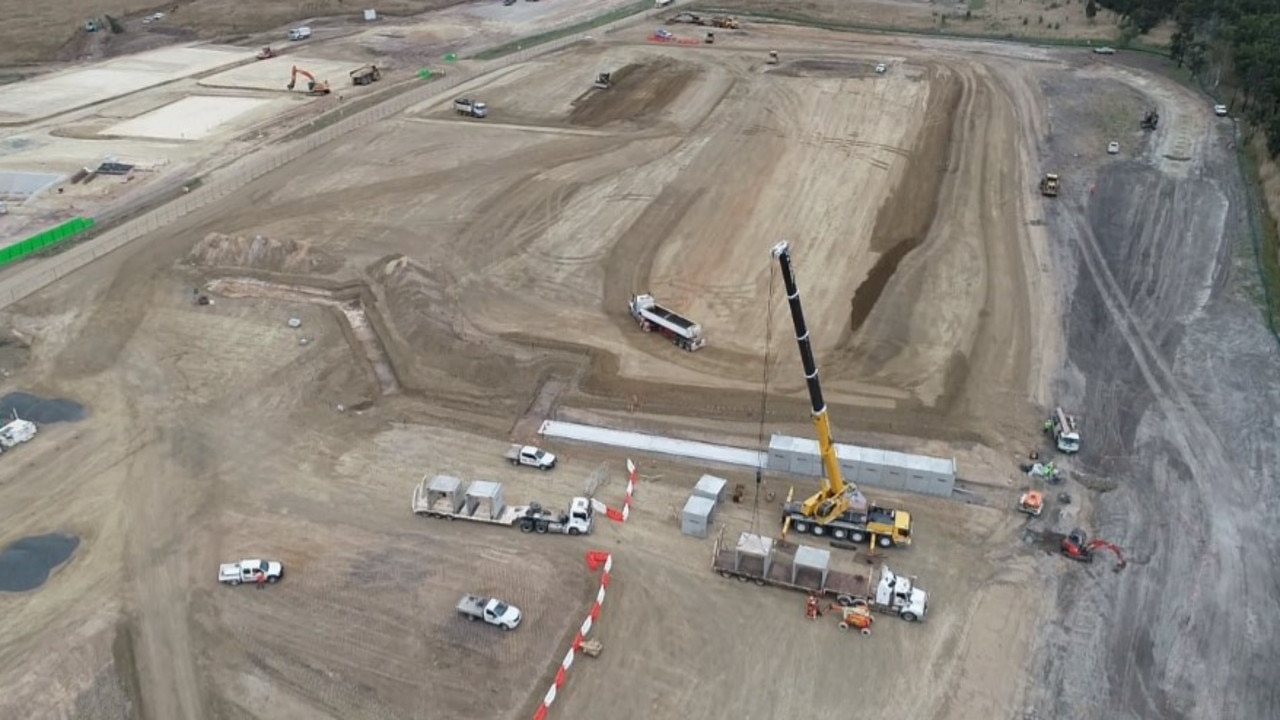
{"x": 652, "y": 317}
{"x": 758, "y": 558}
{"x": 443, "y": 497}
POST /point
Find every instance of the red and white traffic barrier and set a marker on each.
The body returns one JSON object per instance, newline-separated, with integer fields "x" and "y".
{"x": 595, "y": 559}
{"x": 633, "y": 474}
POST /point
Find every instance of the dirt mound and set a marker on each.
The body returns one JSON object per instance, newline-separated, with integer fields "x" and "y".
{"x": 262, "y": 253}
{"x": 417, "y": 298}
{"x": 638, "y": 92}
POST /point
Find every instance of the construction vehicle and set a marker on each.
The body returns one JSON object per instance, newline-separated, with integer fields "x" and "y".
{"x": 1151, "y": 120}
{"x": 856, "y": 617}
{"x": 299, "y": 33}
{"x": 711, "y": 38}
{"x": 249, "y": 571}
{"x": 470, "y": 108}
{"x": 1077, "y": 546}
{"x": 725, "y": 22}
{"x": 16, "y": 431}
{"x": 1031, "y": 503}
{"x": 442, "y": 497}
{"x": 1065, "y": 431}
{"x": 366, "y": 75}
{"x": 761, "y": 560}
{"x": 837, "y": 506}
{"x": 266, "y": 52}
{"x": 1049, "y": 185}
{"x": 490, "y": 610}
{"x": 773, "y": 57}
{"x": 314, "y": 87}
{"x": 604, "y": 81}
{"x": 530, "y": 456}
{"x": 652, "y": 317}
{"x": 684, "y": 18}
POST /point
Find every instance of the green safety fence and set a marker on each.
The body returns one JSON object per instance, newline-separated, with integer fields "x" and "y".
{"x": 43, "y": 240}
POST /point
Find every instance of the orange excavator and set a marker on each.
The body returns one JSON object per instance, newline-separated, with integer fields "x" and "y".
{"x": 1078, "y": 546}
{"x": 314, "y": 87}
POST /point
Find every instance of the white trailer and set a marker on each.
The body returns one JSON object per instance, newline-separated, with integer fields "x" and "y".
{"x": 652, "y": 317}
{"x": 442, "y": 497}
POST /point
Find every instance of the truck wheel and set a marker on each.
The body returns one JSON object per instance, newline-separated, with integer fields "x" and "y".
{"x": 544, "y": 468}
{"x": 526, "y": 527}
{"x": 726, "y": 574}
{"x": 857, "y": 536}
{"x": 819, "y": 531}
{"x": 515, "y": 462}
{"x": 839, "y": 533}
{"x": 801, "y": 528}
{"x": 885, "y": 541}
{"x": 844, "y": 625}
{"x": 471, "y": 618}
{"x": 866, "y": 632}
{"x": 575, "y": 531}
{"x": 273, "y": 579}
{"x": 844, "y": 600}
{"x": 759, "y": 581}
{"x": 235, "y": 582}
{"x": 542, "y": 528}
{"x": 909, "y": 616}
{"x": 507, "y": 628}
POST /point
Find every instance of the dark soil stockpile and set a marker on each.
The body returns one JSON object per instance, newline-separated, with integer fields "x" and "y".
{"x": 41, "y": 411}
{"x": 262, "y": 253}
{"x": 638, "y": 92}
{"x": 825, "y": 68}
{"x": 25, "y": 564}
{"x": 905, "y": 218}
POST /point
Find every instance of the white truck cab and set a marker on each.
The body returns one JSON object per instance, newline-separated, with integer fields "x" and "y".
{"x": 247, "y": 571}
{"x": 899, "y": 594}
{"x": 1066, "y": 433}
{"x": 300, "y": 33}
{"x": 16, "y": 432}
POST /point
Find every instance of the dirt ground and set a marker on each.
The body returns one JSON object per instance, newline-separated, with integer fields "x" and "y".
{"x": 458, "y": 280}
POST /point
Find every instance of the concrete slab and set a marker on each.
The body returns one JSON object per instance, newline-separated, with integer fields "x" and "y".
{"x": 190, "y": 118}
{"x": 654, "y": 443}
{"x": 274, "y": 74}
{"x": 18, "y": 186}
{"x": 68, "y": 90}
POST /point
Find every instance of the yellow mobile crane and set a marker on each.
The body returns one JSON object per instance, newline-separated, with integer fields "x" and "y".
{"x": 838, "y": 507}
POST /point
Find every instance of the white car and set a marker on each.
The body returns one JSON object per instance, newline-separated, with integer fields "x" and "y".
{"x": 1113, "y": 147}
{"x": 1220, "y": 110}
{"x": 1104, "y": 51}
{"x": 247, "y": 571}
{"x": 881, "y": 68}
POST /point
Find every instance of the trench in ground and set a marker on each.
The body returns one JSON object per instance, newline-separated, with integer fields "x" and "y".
{"x": 350, "y": 308}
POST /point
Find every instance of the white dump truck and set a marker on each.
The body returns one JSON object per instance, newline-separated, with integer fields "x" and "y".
{"x": 652, "y": 317}
{"x": 530, "y": 456}
{"x": 442, "y": 497}
{"x": 247, "y": 571}
{"x": 16, "y": 432}
{"x": 470, "y": 108}
{"x": 490, "y": 610}
{"x": 300, "y": 33}
{"x": 1065, "y": 430}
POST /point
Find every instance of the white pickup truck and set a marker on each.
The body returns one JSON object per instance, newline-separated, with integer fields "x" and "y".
{"x": 490, "y": 610}
{"x": 247, "y": 571}
{"x": 530, "y": 456}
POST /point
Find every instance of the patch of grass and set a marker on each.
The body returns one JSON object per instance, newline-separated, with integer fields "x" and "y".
{"x": 546, "y": 37}
{"x": 1266, "y": 238}
{"x": 977, "y": 4}
{"x": 789, "y": 18}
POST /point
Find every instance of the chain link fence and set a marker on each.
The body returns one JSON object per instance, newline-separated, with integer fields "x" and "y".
{"x": 226, "y": 180}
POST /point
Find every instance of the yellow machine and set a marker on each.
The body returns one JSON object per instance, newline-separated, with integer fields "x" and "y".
{"x": 838, "y": 507}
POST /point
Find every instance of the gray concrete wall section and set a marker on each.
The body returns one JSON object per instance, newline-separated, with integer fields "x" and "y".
{"x": 224, "y": 181}
{"x": 697, "y": 516}
{"x": 866, "y": 466}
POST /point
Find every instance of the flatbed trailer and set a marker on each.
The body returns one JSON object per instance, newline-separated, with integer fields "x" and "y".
{"x": 758, "y": 559}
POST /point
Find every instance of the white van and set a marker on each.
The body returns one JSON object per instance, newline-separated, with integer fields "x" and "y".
{"x": 301, "y": 33}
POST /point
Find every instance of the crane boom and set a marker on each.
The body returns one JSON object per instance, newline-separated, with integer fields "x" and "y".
{"x": 835, "y": 496}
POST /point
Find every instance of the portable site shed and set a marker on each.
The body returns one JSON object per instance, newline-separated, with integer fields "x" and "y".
{"x": 697, "y": 516}
{"x": 711, "y": 487}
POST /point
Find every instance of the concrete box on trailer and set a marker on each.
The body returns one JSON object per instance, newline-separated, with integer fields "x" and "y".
{"x": 696, "y": 517}
{"x": 711, "y": 487}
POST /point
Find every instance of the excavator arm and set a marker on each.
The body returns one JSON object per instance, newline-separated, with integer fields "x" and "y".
{"x": 835, "y": 495}
{"x": 1121, "y": 563}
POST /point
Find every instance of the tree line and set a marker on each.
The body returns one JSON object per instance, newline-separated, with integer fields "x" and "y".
{"x": 1240, "y": 37}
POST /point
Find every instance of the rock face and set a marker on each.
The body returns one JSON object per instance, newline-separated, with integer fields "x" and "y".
{"x": 262, "y": 253}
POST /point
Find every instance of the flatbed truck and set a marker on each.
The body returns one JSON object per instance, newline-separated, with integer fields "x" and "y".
{"x": 758, "y": 559}
{"x": 442, "y": 497}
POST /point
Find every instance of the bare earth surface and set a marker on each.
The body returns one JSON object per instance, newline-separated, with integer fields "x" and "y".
{"x": 458, "y": 280}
